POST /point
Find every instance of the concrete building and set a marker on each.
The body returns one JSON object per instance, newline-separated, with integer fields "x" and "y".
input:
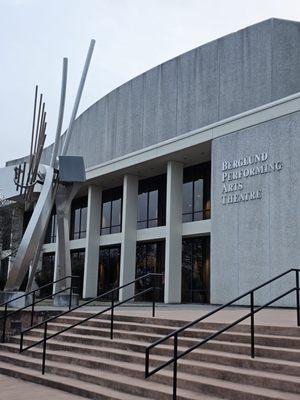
{"x": 193, "y": 170}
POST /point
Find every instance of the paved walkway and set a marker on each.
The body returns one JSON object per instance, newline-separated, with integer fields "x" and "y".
{"x": 189, "y": 312}
{"x": 16, "y": 389}
{"x": 271, "y": 316}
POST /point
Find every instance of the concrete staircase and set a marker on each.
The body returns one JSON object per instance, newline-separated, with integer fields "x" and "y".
{"x": 84, "y": 361}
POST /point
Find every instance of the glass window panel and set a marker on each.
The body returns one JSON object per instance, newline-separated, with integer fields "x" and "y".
{"x": 116, "y": 212}
{"x": 48, "y": 234}
{"x": 114, "y": 266}
{"x": 109, "y": 270}
{"x": 206, "y": 214}
{"x": 141, "y": 259}
{"x": 149, "y": 258}
{"x": 83, "y": 222}
{"x": 152, "y": 223}
{"x": 103, "y": 266}
{"x": 195, "y": 270}
{"x": 76, "y": 221}
{"x": 77, "y": 263}
{"x": 53, "y": 230}
{"x": 187, "y": 218}
{"x": 153, "y": 204}
{"x": 115, "y": 229}
{"x": 45, "y": 275}
{"x": 152, "y": 201}
{"x": 197, "y": 265}
{"x": 200, "y": 176}
{"x": 106, "y": 210}
{"x": 198, "y": 216}
{"x": 198, "y": 195}
{"x": 142, "y": 225}
{"x": 105, "y": 231}
{"x": 187, "y": 260}
{"x": 187, "y": 197}
{"x": 142, "y": 206}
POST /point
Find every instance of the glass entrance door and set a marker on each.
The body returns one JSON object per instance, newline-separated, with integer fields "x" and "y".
{"x": 45, "y": 275}
{"x": 195, "y": 270}
{"x": 150, "y": 259}
{"x": 77, "y": 263}
{"x": 109, "y": 269}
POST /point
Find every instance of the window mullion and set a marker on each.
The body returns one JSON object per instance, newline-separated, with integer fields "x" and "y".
{"x": 193, "y": 202}
{"x": 147, "y": 209}
{"x": 110, "y": 217}
{"x": 79, "y": 233}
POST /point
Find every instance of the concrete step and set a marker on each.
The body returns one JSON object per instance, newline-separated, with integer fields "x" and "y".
{"x": 210, "y": 356}
{"x": 193, "y": 338}
{"x": 136, "y": 369}
{"x": 84, "y": 361}
{"x": 79, "y": 335}
{"x": 176, "y": 323}
{"x": 84, "y": 389}
{"x": 161, "y": 330}
{"x": 156, "y": 390}
{"x": 119, "y": 387}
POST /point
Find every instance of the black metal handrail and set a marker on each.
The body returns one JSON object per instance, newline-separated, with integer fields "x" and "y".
{"x": 34, "y": 301}
{"x": 251, "y": 314}
{"x": 45, "y": 338}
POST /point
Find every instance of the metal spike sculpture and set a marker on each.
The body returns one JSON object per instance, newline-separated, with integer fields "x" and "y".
{"x": 38, "y": 137}
{"x": 54, "y": 189}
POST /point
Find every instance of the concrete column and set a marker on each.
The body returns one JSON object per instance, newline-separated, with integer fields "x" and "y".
{"x": 173, "y": 233}
{"x": 91, "y": 261}
{"x": 56, "y": 268}
{"x": 128, "y": 246}
{"x": 64, "y": 196}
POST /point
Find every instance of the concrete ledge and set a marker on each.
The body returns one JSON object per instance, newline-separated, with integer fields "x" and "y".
{"x": 18, "y": 303}
{"x": 62, "y": 300}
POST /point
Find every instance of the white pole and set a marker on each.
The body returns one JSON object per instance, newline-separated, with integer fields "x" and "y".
{"x": 78, "y": 96}
{"x": 60, "y": 113}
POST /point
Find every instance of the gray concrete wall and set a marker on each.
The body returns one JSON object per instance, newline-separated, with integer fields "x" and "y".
{"x": 253, "y": 241}
{"x": 222, "y": 78}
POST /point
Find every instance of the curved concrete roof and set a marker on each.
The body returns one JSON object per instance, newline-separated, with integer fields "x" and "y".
{"x": 235, "y": 73}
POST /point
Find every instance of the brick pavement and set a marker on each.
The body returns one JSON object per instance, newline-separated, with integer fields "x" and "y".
{"x": 16, "y": 389}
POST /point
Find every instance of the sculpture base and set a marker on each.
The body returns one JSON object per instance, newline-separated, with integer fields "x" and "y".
{"x": 11, "y": 295}
{"x": 63, "y": 300}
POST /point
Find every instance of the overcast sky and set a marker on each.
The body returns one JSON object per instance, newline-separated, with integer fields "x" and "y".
{"x": 131, "y": 37}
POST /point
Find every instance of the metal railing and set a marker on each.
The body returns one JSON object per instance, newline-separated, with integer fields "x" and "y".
{"x": 253, "y": 311}
{"x": 205, "y": 214}
{"x": 34, "y": 301}
{"x": 45, "y": 323}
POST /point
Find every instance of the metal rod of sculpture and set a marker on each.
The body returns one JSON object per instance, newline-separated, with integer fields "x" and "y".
{"x": 20, "y": 264}
{"x": 33, "y": 238}
{"x": 66, "y": 193}
{"x": 53, "y": 164}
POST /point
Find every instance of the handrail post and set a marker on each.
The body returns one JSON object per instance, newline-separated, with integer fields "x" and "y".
{"x": 153, "y": 301}
{"x": 32, "y": 308}
{"x": 44, "y": 348}
{"x": 21, "y": 342}
{"x": 147, "y": 363}
{"x": 252, "y": 324}
{"x": 175, "y": 367}
{"x": 112, "y": 318}
{"x": 4, "y": 324}
{"x": 70, "y": 298}
{"x": 297, "y": 297}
